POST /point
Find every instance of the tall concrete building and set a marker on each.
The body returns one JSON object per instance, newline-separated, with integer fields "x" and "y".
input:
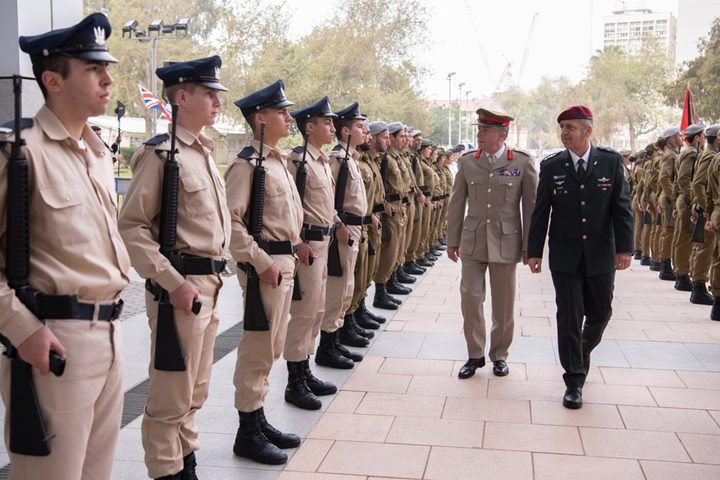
{"x": 628, "y": 27}
{"x": 694, "y": 20}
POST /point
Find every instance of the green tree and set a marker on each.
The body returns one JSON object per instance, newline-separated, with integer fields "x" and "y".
{"x": 702, "y": 75}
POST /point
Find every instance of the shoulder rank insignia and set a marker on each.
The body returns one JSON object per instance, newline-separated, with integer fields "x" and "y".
{"x": 248, "y": 153}
{"x": 337, "y": 148}
{"x": 9, "y": 127}
{"x": 299, "y": 149}
{"x": 158, "y": 139}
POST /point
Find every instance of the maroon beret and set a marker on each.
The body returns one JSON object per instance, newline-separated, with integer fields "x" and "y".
{"x": 575, "y": 112}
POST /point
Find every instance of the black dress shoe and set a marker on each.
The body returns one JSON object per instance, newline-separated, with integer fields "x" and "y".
{"x": 645, "y": 261}
{"x": 655, "y": 266}
{"x": 700, "y": 295}
{"x": 403, "y": 277}
{"x": 468, "y": 370}
{"x": 573, "y": 398}
{"x": 683, "y": 283}
{"x": 413, "y": 268}
{"x": 425, "y": 263}
{"x": 500, "y": 368}
{"x": 396, "y": 288}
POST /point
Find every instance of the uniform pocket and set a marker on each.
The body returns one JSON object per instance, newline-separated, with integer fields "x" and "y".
{"x": 469, "y": 232}
{"x": 511, "y": 243}
{"x": 197, "y": 195}
{"x": 67, "y": 209}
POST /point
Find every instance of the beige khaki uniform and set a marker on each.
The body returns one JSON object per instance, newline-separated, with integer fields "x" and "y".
{"x": 713, "y": 215}
{"x": 340, "y": 289}
{"x": 500, "y": 198}
{"x": 431, "y": 189}
{"x": 417, "y": 175}
{"x": 666, "y": 201}
{"x": 409, "y": 205}
{"x": 75, "y": 248}
{"x": 682, "y": 238}
{"x": 442, "y": 229}
{"x": 318, "y": 211}
{"x": 637, "y": 188}
{"x": 203, "y": 230}
{"x": 702, "y": 258}
{"x": 393, "y": 225}
{"x": 282, "y": 221}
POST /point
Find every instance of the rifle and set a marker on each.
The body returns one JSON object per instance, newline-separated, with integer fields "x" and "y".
{"x": 300, "y": 179}
{"x": 168, "y": 352}
{"x": 255, "y": 318}
{"x": 28, "y": 433}
{"x": 334, "y": 266}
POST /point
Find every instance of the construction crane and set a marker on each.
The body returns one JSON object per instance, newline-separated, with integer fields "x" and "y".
{"x": 527, "y": 46}
{"x": 507, "y": 80}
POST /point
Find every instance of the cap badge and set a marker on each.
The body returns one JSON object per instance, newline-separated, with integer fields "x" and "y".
{"x": 99, "y": 35}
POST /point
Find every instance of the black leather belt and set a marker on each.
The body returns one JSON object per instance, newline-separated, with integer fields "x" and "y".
{"x": 352, "y": 219}
{"x": 405, "y": 200}
{"x": 435, "y": 199}
{"x": 67, "y": 307}
{"x": 393, "y": 197}
{"x": 316, "y": 233}
{"x": 378, "y": 207}
{"x": 425, "y": 191}
{"x": 187, "y": 264}
{"x": 272, "y": 247}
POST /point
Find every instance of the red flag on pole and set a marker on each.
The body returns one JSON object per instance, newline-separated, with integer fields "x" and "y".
{"x": 689, "y": 115}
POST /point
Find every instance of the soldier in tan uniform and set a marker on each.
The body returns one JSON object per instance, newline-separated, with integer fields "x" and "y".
{"x": 350, "y": 128}
{"x": 648, "y": 200}
{"x": 636, "y": 187}
{"x": 449, "y": 178}
{"x": 430, "y": 189}
{"x": 702, "y": 255}
{"x": 315, "y": 122}
{"x": 712, "y": 215}
{"x": 394, "y": 225}
{"x": 497, "y": 185}
{"x": 667, "y": 179}
{"x": 169, "y": 435}
{"x": 271, "y": 256}
{"x": 419, "y": 202}
{"x": 75, "y": 254}
{"x": 682, "y": 239}
{"x": 399, "y": 278}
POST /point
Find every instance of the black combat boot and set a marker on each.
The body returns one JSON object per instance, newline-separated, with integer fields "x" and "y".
{"x": 394, "y": 287}
{"x": 666, "y": 271}
{"x": 360, "y": 330}
{"x": 424, "y": 262}
{"x": 348, "y": 336}
{"x": 715, "y": 310}
{"x": 645, "y": 261}
{"x": 381, "y": 299}
{"x": 365, "y": 322}
{"x": 655, "y": 266}
{"x": 363, "y": 310}
{"x": 413, "y": 268}
{"x": 638, "y": 254}
{"x": 700, "y": 295}
{"x": 403, "y": 277}
{"x": 354, "y": 356}
{"x": 251, "y": 442}
{"x": 297, "y": 391}
{"x": 189, "y": 464}
{"x": 683, "y": 283}
{"x": 317, "y": 386}
{"x": 328, "y": 356}
{"x": 275, "y": 436}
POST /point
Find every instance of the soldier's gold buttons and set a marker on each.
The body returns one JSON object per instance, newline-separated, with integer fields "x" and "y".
{"x": 584, "y": 237}
{"x": 582, "y": 203}
{"x": 584, "y": 220}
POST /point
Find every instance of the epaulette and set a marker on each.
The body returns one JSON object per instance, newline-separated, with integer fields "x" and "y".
{"x": 299, "y": 149}
{"x": 9, "y": 127}
{"x": 520, "y": 151}
{"x": 248, "y": 153}
{"x": 607, "y": 149}
{"x": 552, "y": 155}
{"x": 337, "y": 148}
{"x": 158, "y": 139}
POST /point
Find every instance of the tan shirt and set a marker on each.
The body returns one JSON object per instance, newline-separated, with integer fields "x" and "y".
{"x": 319, "y": 197}
{"x": 203, "y": 221}
{"x": 75, "y": 247}
{"x": 374, "y": 190}
{"x": 700, "y": 180}
{"x": 430, "y": 177}
{"x": 282, "y": 215}
{"x": 394, "y": 177}
{"x": 355, "y": 198}
{"x": 685, "y": 173}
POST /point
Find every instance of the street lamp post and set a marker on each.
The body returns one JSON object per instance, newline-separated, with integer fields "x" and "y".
{"x": 460, "y": 111}
{"x": 467, "y": 123}
{"x": 449, "y": 78}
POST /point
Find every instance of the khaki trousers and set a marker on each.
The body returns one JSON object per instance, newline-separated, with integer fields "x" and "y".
{"x": 646, "y": 240}
{"x": 702, "y": 258}
{"x": 395, "y": 226}
{"x": 637, "y": 227}
{"x": 306, "y": 313}
{"x": 340, "y": 289}
{"x": 407, "y": 231}
{"x": 414, "y": 243}
{"x": 258, "y": 350}
{"x": 472, "y": 298}
{"x": 374, "y": 239}
{"x": 174, "y": 398}
{"x": 655, "y": 242}
{"x": 442, "y": 226}
{"x": 424, "y": 246}
{"x": 361, "y": 272}
{"x": 82, "y": 409}
{"x": 682, "y": 239}
{"x": 715, "y": 267}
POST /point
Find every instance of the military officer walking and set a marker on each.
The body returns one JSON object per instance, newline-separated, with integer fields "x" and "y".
{"x": 584, "y": 196}
{"x": 497, "y": 185}
{"x": 264, "y": 246}
{"x": 77, "y": 264}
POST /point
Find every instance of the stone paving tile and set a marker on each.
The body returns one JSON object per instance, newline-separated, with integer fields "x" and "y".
{"x": 346, "y": 402}
{"x": 402, "y": 405}
{"x": 446, "y": 346}
{"x": 701, "y": 380}
{"x": 436, "y": 432}
{"x": 317, "y": 476}
{"x": 532, "y": 438}
{"x": 707, "y": 355}
{"x": 358, "y": 428}
{"x": 677, "y": 471}
{"x": 590, "y": 415}
{"x": 659, "y": 355}
{"x": 388, "y": 460}
{"x": 702, "y": 448}
{"x": 465, "y": 464}
{"x": 397, "y": 344}
{"x": 686, "y": 398}
{"x": 417, "y": 367}
{"x": 601, "y": 442}
{"x": 573, "y": 467}
{"x": 309, "y": 455}
{"x": 553, "y": 373}
{"x": 474, "y": 387}
{"x": 650, "y": 378}
{"x": 374, "y": 382}
{"x": 668, "y": 420}
{"x": 617, "y": 394}
{"x": 526, "y": 390}
{"x": 498, "y": 410}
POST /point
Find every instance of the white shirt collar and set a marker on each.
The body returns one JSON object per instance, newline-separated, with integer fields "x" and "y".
{"x": 497, "y": 154}
{"x": 576, "y": 158}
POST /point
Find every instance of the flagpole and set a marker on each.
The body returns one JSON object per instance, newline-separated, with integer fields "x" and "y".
{"x": 153, "y": 67}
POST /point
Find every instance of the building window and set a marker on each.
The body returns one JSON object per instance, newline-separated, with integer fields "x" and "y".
{"x": 648, "y": 27}
{"x": 635, "y": 29}
{"x": 622, "y": 30}
{"x": 609, "y": 30}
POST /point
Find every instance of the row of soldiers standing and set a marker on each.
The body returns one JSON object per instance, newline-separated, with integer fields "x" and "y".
{"x": 676, "y": 202}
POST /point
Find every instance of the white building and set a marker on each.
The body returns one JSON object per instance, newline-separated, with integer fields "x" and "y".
{"x": 628, "y": 27}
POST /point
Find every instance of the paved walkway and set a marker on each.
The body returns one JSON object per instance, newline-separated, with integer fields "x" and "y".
{"x": 652, "y": 401}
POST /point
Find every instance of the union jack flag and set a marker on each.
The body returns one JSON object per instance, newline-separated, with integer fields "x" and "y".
{"x": 151, "y": 101}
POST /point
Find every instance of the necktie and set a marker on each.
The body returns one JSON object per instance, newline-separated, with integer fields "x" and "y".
{"x": 491, "y": 158}
{"x": 581, "y": 168}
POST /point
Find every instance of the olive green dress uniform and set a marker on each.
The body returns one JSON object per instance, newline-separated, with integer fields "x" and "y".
{"x": 431, "y": 188}
{"x": 417, "y": 176}
{"x": 700, "y": 268}
{"x": 446, "y": 202}
{"x": 203, "y": 230}
{"x": 375, "y": 236}
{"x": 408, "y": 194}
{"x": 340, "y": 289}
{"x": 375, "y": 195}
{"x": 444, "y": 188}
{"x": 713, "y": 214}
{"x": 651, "y": 200}
{"x": 637, "y": 189}
{"x": 75, "y": 248}
{"x": 394, "y": 225}
{"x": 318, "y": 210}
{"x": 682, "y": 238}
{"x": 282, "y": 221}
{"x": 499, "y": 197}
{"x": 666, "y": 201}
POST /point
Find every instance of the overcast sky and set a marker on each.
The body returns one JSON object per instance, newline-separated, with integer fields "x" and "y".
{"x": 565, "y": 35}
